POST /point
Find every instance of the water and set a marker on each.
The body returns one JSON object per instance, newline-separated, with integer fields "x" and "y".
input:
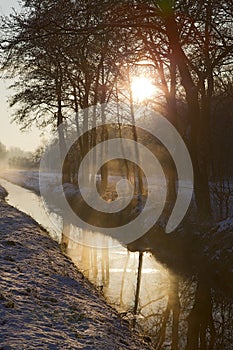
{"x": 177, "y": 310}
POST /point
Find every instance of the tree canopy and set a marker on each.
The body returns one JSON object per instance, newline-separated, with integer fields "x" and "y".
{"x": 68, "y": 55}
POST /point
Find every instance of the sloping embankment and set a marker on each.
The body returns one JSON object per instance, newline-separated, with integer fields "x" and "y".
{"x": 45, "y": 302}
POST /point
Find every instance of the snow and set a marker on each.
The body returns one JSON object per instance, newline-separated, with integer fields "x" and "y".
{"x": 218, "y": 243}
{"x": 45, "y": 302}
{"x": 69, "y": 190}
{"x": 224, "y": 225}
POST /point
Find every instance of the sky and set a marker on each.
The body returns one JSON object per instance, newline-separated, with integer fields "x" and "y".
{"x": 10, "y": 134}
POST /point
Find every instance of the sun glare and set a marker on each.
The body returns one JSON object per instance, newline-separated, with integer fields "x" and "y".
{"x": 142, "y": 89}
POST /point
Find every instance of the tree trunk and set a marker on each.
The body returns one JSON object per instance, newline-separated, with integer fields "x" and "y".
{"x": 139, "y": 277}
{"x": 62, "y": 146}
{"x": 201, "y": 185}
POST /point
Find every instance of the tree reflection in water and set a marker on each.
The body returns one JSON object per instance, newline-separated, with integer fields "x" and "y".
{"x": 176, "y": 310}
{"x": 93, "y": 261}
{"x": 191, "y": 316}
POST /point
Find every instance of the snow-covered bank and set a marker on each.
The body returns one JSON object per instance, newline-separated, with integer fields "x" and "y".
{"x": 218, "y": 249}
{"x": 45, "y": 302}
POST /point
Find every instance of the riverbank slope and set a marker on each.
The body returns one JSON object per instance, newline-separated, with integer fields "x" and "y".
{"x": 45, "y": 302}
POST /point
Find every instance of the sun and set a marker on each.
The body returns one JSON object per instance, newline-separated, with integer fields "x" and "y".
{"x": 142, "y": 89}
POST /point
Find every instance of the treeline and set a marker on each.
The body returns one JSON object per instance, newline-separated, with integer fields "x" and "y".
{"x": 70, "y": 55}
{"x": 18, "y": 159}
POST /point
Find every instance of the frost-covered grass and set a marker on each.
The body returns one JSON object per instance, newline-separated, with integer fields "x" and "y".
{"x": 218, "y": 244}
